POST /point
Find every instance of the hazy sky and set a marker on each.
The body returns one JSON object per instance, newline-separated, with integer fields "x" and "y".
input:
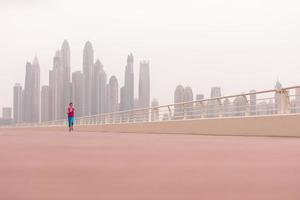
{"x": 237, "y": 44}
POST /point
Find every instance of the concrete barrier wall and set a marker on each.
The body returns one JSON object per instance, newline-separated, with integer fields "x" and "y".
{"x": 280, "y": 125}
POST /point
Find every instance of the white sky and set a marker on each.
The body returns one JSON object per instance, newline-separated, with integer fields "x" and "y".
{"x": 237, "y": 44}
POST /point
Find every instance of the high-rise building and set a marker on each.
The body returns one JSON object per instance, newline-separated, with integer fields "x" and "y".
{"x": 179, "y": 98}
{"x": 113, "y": 95}
{"x": 57, "y": 108}
{"x": 6, "y": 113}
{"x": 31, "y": 104}
{"x": 45, "y": 103}
{"x": 144, "y": 85}
{"x": 96, "y": 88}
{"x": 88, "y": 62}
{"x": 213, "y": 106}
{"x": 17, "y": 105}
{"x": 187, "y": 97}
{"x": 128, "y": 91}
{"x": 27, "y": 94}
{"x": 78, "y": 92}
{"x": 36, "y": 100}
{"x": 103, "y": 91}
{"x": 66, "y": 70}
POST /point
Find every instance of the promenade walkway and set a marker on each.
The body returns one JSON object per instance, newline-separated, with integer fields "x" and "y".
{"x": 45, "y": 165}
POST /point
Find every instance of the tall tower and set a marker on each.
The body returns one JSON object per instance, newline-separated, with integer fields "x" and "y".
{"x": 36, "y": 95}
{"x": 96, "y": 88}
{"x": 45, "y": 103}
{"x": 129, "y": 84}
{"x": 27, "y": 94}
{"x": 88, "y": 62}
{"x": 187, "y": 97}
{"x": 66, "y": 69}
{"x": 144, "y": 85}
{"x": 17, "y": 107}
{"x": 213, "y": 106}
{"x": 103, "y": 93}
{"x": 78, "y": 92}
{"x": 178, "y": 98}
{"x": 57, "y": 108}
{"x": 113, "y": 95}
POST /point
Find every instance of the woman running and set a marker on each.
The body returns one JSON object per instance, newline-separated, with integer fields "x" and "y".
{"x": 71, "y": 114}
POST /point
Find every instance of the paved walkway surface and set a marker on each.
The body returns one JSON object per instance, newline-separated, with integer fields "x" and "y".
{"x": 44, "y": 165}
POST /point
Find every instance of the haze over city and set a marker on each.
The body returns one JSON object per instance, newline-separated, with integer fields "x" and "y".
{"x": 238, "y": 45}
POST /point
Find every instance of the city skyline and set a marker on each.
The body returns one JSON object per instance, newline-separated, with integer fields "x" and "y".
{"x": 195, "y": 43}
{"x": 90, "y": 89}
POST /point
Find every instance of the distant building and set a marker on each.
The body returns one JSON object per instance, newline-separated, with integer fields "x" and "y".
{"x": 56, "y": 92}
{"x": 6, "y": 113}
{"x": 45, "y": 103}
{"x": 144, "y": 85}
{"x": 17, "y": 105}
{"x": 31, "y": 94}
{"x": 187, "y": 97}
{"x": 128, "y": 89}
{"x": 179, "y": 98}
{"x": 88, "y": 62}
{"x": 66, "y": 73}
{"x": 113, "y": 95}
{"x": 213, "y": 106}
{"x": 96, "y": 88}
{"x": 78, "y": 93}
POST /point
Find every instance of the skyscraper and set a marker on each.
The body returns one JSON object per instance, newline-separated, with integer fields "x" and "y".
{"x": 36, "y": 91}
{"x": 213, "y": 106}
{"x": 178, "y": 98}
{"x": 103, "y": 91}
{"x": 17, "y": 105}
{"x": 66, "y": 70}
{"x": 56, "y": 96}
{"x": 45, "y": 103}
{"x": 31, "y": 104}
{"x": 96, "y": 88}
{"x": 78, "y": 92}
{"x": 27, "y": 94}
{"x": 128, "y": 90}
{"x": 144, "y": 85}
{"x": 187, "y": 97}
{"x": 113, "y": 95}
{"x": 88, "y": 62}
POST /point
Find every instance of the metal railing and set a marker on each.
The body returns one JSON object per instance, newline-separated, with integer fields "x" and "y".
{"x": 268, "y": 102}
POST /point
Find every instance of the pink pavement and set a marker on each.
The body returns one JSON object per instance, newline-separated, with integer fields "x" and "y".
{"x": 45, "y": 165}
